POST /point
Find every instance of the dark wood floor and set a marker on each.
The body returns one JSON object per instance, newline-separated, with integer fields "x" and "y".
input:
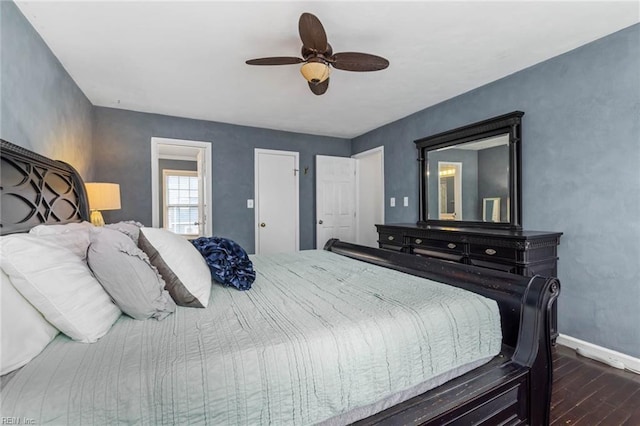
{"x": 586, "y": 392}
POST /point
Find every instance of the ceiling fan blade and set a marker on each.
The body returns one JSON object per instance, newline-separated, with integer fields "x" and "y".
{"x": 320, "y": 88}
{"x": 276, "y": 60}
{"x": 312, "y": 33}
{"x": 354, "y": 61}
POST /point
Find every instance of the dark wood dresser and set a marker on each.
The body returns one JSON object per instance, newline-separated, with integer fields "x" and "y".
{"x": 525, "y": 253}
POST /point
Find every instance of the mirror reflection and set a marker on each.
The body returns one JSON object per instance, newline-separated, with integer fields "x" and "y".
{"x": 470, "y": 181}
{"x": 450, "y": 190}
{"x": 491, "y": 209}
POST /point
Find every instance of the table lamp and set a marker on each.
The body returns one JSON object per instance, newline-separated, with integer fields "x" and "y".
{"x": 102, "y": 196}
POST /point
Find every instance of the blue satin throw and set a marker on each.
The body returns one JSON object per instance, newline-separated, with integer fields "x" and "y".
{"x": 228, "y": 262}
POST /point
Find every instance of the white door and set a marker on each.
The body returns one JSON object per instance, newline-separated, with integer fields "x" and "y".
{"x": 369, "y": 195}
{"x": 335, "y": 199}
{"x": 276, "y": 208}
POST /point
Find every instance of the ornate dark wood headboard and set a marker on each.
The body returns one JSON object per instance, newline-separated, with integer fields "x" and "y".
{"x": 36, "y": 190}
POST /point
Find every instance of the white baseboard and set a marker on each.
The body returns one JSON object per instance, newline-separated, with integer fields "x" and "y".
{"x": 608, "y": 356}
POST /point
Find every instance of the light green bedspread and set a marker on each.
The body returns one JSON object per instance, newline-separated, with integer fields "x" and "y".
{"x": 316, "y": 336}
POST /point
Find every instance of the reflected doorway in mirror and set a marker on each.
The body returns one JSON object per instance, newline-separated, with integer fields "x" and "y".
{"x": 449, "y": 190}
{"x": 491, "y": 209}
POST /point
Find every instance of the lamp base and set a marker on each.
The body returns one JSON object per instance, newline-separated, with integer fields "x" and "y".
{"x": 96, "y": 218}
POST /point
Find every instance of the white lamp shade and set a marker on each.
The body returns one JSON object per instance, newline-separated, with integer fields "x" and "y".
{"x": 103, "y": 196}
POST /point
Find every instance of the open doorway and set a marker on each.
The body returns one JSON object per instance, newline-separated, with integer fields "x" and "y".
{"x": 180, "y": 186}
{"x": 369, "y": 195}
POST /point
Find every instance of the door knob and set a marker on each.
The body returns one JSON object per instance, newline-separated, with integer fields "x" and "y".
{"x": 262, "y": 225}
{"x": 320, "y": 222}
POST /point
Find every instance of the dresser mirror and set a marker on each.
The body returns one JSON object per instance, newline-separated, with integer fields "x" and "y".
{"x": 470, "y": 176}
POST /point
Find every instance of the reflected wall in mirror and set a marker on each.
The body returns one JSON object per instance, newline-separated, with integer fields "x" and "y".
{"x": 471, "y": 175}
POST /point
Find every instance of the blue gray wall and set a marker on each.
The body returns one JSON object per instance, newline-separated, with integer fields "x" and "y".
{"x": 581, "y": 174}
{"x": 122, "y": 148}
{"x": 42, "y": 108}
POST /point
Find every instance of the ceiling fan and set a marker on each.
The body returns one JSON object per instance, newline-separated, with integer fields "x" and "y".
{"x": 318, "y": 56}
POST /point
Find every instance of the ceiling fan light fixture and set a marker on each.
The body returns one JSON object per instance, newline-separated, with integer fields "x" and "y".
{"x": 318, "y": 57}
{"x": 315, "y": 72}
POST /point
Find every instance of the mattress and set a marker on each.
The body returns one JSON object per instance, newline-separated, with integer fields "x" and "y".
{"x": 318, "y": 338}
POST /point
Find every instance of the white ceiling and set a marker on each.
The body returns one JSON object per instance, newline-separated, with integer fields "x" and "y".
{"x": 187, "y": 58}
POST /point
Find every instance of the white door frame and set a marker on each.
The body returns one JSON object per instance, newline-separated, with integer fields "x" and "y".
{"x": 155, "y": 184}
{"x": 358, "y": 156}
{"x": 256, "y": 190}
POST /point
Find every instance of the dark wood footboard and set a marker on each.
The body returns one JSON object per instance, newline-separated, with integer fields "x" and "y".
{"x": 515, "y": 387}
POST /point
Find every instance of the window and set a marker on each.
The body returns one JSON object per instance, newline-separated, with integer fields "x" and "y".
{"x": 180, "y": 202}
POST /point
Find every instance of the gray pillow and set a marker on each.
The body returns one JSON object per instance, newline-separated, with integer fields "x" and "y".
{"x": 126, "y": 274}
{"x": 130, "y": 228}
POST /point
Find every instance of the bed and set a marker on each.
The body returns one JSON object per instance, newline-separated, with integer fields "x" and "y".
{"x": 334, "y": 336}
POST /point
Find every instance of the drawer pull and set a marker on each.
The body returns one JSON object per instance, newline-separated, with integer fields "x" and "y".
{"x": 451, "y": 245}
{"x": 490, "y": 252}
{"x": 390, "y": 238}
{"x": 418, "y": 241}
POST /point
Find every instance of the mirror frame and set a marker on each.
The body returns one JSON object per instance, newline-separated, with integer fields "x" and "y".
{"x": 510, "y": 124}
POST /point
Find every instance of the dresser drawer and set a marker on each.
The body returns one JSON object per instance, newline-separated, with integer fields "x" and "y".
{"x": 487, "y": 251}
{"x": 394, "y": 238}
{"x": 504, "y": 267}
{"x": 425, "y": 243}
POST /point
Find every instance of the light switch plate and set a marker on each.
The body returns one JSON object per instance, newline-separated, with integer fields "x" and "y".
{"x": 249, "y": 204}
{"x": 392, "y": 201}
{"x": 406, "y": 201}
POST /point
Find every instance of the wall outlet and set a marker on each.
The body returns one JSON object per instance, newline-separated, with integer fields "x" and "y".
{"x": 392, "y": 201}
{"x": 249, "y": 204}
{"x": 406, "y": 201}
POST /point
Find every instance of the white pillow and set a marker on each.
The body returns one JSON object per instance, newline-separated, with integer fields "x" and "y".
{"x": 74, "y": 236}
{"x": 59, "y": 229}
{"x": 183, "y": 269}
{"x": 25, "y": 332}
{"x": 60, "y": 285}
